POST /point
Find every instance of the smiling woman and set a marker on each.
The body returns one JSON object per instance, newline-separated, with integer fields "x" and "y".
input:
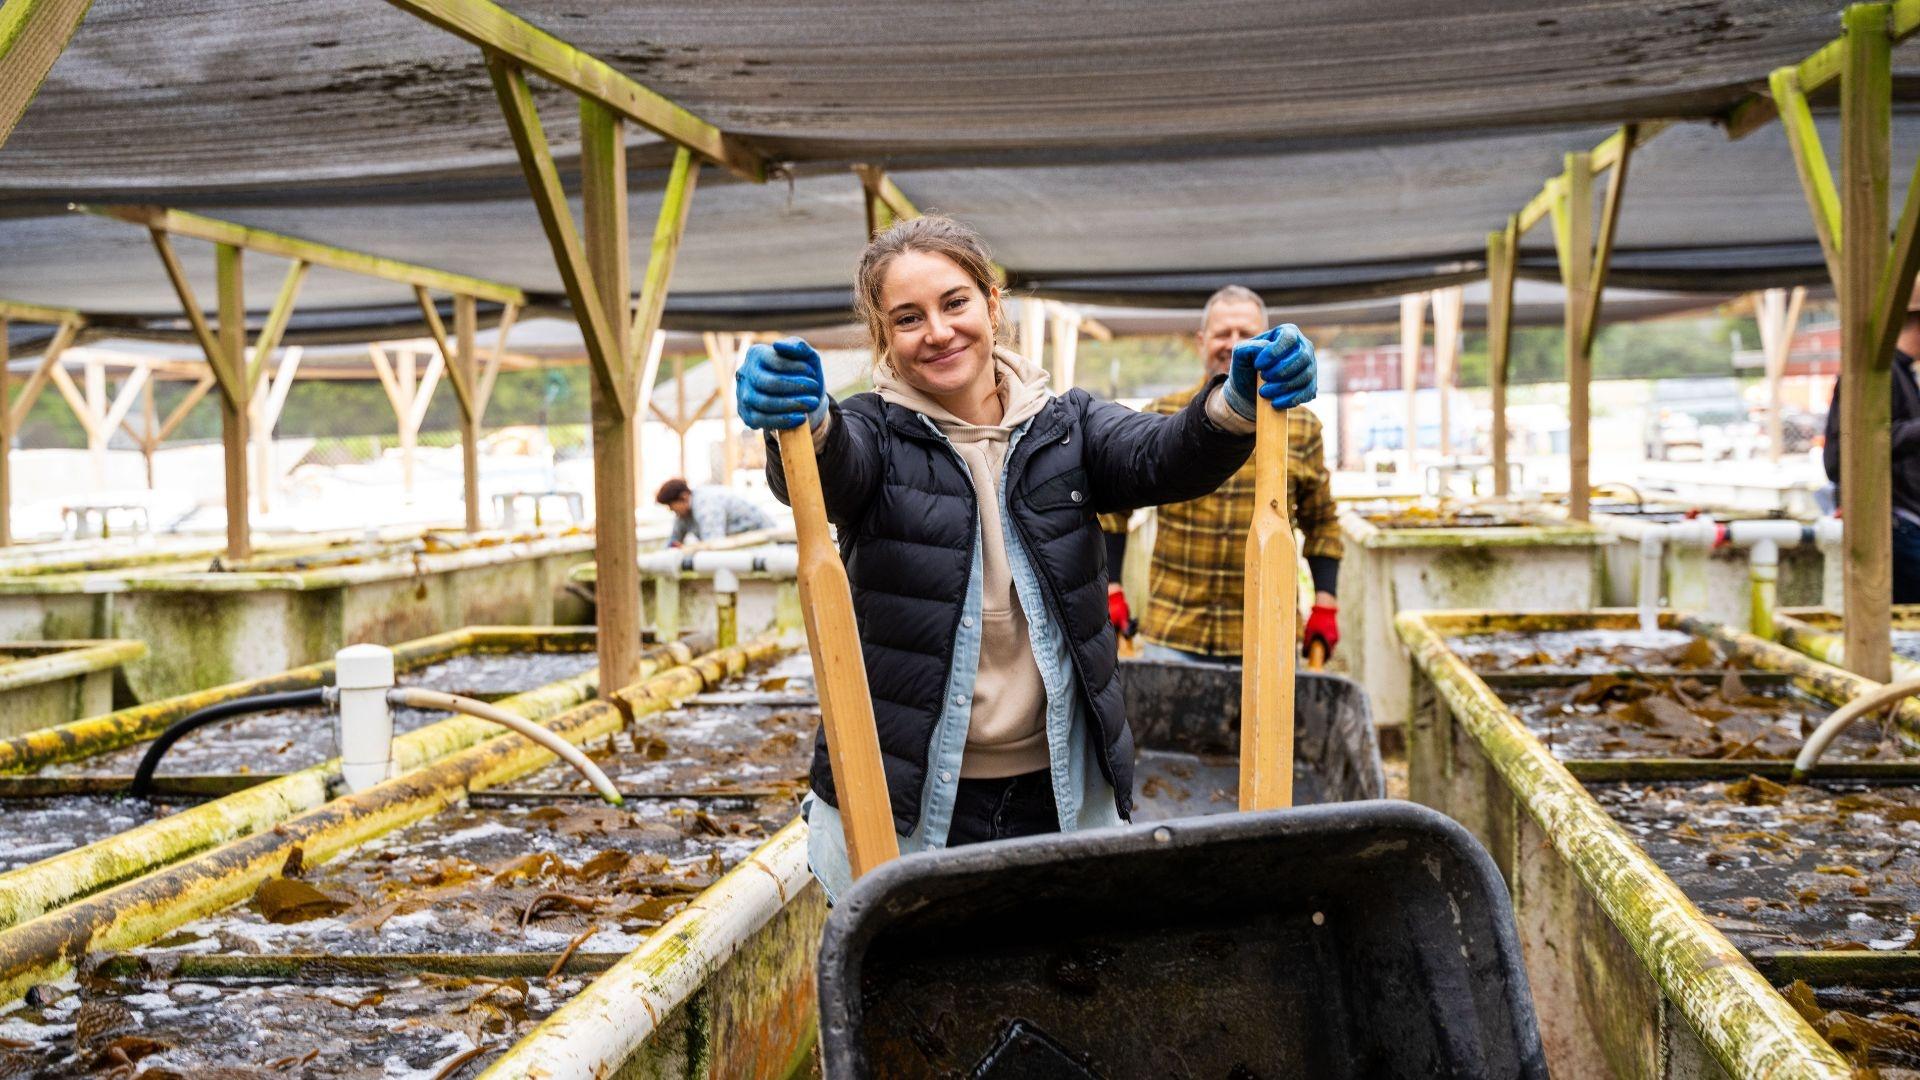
{"x": 965, "y": 494}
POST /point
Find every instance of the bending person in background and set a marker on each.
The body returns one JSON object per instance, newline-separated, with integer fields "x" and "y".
{"x": 708, "y": 513}
{"x": 964, "y": 491}
{"x": 1196, "y": 582}
{"x": 1905, "y": 488}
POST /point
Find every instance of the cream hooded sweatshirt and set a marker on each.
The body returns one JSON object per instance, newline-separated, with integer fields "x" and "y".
{"x": 1006, "y": 734}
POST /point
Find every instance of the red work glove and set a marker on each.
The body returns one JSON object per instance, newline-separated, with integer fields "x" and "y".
{"x": 1323, "y": 625}
{"x": 1119, "y": 614}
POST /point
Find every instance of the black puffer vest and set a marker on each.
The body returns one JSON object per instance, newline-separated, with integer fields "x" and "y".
{"x": 904, "y": 507}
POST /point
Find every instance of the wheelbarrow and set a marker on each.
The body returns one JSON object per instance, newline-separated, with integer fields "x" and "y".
{"x": 1186, "y": 735}
{"x": 1352, "y": 940}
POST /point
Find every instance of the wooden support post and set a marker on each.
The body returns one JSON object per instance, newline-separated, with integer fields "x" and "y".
{"x": 149, "y": 429}
{"x": 603, "y": 192}
{"x": 681, "y": 421}
{"x": 1413, "y": 319}
{"x": 1033, "y": 330}
{"x": 463, "y": 365}
{"x": 1502, "y": 253}
{"x": 724, "y": 355}
{"x": 1448, "y": 311}
{"x": 270, "y": 400}
{"x": 1866, "y": 96}
{"x": 95, "y": 372}
{"x": 1066, "y": 347}
{"x": 595, "y": 279}
{"x": 1583, "y": 257}
{"x": 33, "y": 34}
{"x": 1778, "y": 313}
{"x": 232, "y": 331}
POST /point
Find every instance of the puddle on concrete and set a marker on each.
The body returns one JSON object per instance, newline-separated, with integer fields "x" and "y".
{"x": 406, "y": 1028}
{"x": 290, "y": 739}
{"x": 1875, "y": 1028}
{"x": 510, "y": 874}
{"x": 1711, "y": 714}
{"x": 40, "y": 828}
{"x": 1586, "y": 651}
{"x": 1785, "y": 867}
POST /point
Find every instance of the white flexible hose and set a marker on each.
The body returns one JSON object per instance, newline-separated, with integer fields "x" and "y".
{"x": 418, "y": 698}
{"x": 1832, "y": 726}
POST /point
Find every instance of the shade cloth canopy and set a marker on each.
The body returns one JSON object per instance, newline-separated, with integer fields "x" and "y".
{"x": 1119, "y": 151}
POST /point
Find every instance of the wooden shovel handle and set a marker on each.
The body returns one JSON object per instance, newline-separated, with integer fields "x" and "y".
{"x": 1316, "y": 655}
{"x": 1269, "y": 633}
{"x": 839, "y": 672}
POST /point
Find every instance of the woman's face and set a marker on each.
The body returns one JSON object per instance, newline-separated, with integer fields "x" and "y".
{"x": 939, "y": 325}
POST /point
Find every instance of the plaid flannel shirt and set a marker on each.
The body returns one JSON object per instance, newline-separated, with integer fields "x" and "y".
{"x": 1197, "y": 578}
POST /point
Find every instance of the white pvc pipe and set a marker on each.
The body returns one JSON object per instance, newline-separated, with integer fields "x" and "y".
{"x": 362, "y": 675}
{"x": 1652, "y": 559}
{"x": 418, "y": 698}
{"x": 778, "y": 559}
{"x": 1832, "y": 726}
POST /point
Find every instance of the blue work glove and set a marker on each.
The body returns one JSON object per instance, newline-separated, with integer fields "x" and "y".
{"x": 1282, "y": 359}
{"x": 780, "y": 385}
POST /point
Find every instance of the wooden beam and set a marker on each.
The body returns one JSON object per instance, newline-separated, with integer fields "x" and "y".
{"x": 124, "y": 398}
{"x": 1033, "y": 330}
{"x": 423, "y": 395}
{"x": 668, "y": 228}
{"x": 462, "y": 362}
{"x": 604, "y": 271}
{"x": 38, "y": 313}
{"x": 484, "y": 395}
{"x": 49, "y": 361}
{"x": 1823, "y": 67}
{"x": 1866, "y": 121}
{"x": 179, "y": 414}
{"x": 232, "y": 331}
{"x": 504, "y": 34}
{"x": 1413, "y": 321}
{"x": 1502, "y": 255}
{"x": 33, "y": 34}
{"x": 383, "y": 369}
{"x": 1896, "y": 280}
{"x": 1573, "y": 236}
{"x": 1602, "y": 157}
{"x": 886, "y": 203}
{"x": 189, "y": 306}
{"x": 215, "y": 231}
{"x": 275, "y": 327}
{"x": 1778, "y": 314}
{"x": 437, "y": 330}
{"x": 1810, "y": 161}
{"x": 602, "y": 330}
{"x": 77, "y": 402}
{"x": 1603, "y": 245}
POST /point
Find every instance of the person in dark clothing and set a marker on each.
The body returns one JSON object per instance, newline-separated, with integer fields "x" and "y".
{"x": 1905, "y": 486}
{"x": 965, "y": 493}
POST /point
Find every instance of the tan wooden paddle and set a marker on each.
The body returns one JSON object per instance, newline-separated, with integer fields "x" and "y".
{"x": 839, "y": 672}
{"x": 1269, "y": 644}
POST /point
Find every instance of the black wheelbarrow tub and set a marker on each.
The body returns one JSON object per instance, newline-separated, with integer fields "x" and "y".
{"x": 1186, "y": 733}
{"x": 1355, "y": 940}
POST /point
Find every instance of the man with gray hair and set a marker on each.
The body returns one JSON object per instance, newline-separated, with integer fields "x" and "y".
{"x": 1197, "y": 579}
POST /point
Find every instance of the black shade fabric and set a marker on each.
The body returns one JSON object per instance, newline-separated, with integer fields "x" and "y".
{"x": 1119, "y": 151}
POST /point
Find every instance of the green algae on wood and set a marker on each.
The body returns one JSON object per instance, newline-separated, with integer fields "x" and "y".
{"x": 142, "y": 910}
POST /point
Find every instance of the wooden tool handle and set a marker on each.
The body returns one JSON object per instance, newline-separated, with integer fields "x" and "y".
{"x": 1316, "y": 655}
{"x": 839, "y": 672}
{"x": 1269, "y": 634}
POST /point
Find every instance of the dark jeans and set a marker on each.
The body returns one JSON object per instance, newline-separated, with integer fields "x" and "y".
{"x": 1007, "y": 807}
{"x": 1906, "y": 562}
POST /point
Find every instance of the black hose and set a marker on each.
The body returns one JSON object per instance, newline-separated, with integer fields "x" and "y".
{"x": 213, "y": 714}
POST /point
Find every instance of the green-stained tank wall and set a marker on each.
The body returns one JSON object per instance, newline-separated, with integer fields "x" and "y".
{"x": 208, "y": 629}
{"x": 757, "y": 1018}
{"x": 1387, "y": 571}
